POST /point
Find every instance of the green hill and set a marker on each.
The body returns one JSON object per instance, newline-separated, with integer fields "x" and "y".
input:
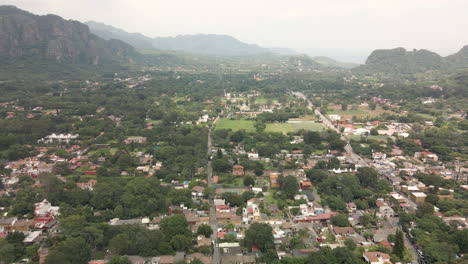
{"x": 399, "y": 60}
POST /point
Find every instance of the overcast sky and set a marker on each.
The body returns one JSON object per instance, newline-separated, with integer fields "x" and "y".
{"x": 343, "y": 29}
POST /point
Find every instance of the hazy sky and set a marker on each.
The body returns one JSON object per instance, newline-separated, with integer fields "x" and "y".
{"x": 344, "y": 29}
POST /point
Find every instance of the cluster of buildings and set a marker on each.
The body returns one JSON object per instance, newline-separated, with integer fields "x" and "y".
{"x": 35, "y": 229}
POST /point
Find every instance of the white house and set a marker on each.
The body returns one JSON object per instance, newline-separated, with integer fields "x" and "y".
{"x": 252, "y": 155}
{"x": 58, "y": 138}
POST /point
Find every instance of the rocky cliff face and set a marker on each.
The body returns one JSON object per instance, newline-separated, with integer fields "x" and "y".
{"x": 25, "y": 35}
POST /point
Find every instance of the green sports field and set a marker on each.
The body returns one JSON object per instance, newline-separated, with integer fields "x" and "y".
{"x": 248, "y": 125}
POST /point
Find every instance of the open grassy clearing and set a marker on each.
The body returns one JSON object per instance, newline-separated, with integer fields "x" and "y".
{"x": 269, "y": 197}
{"x": 248, "y": 125}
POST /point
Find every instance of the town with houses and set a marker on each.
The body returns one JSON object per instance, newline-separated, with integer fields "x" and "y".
{"x": 245, "y": 182}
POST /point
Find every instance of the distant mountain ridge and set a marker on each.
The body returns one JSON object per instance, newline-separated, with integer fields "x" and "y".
{"x": 24, "y": 35}
{"x": 200, "y": 44}
{"x": 108, "y": 32}
{"x": 399, "y": 60}
{"x": 209, "y": 44}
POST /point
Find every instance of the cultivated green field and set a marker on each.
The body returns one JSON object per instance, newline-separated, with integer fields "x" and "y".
{"x": 248, "y": 125}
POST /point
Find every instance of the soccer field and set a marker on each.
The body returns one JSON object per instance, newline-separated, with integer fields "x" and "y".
{"x": 235, "y": 125}
{"x": 248, "y": 125}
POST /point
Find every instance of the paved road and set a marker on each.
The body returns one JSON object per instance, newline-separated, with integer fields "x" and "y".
{"x": 317, "y": 197}
{"x": 216, "y": 259}
{"x": 389, "y": 228}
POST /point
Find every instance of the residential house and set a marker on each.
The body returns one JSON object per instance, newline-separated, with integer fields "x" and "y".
{"x": 251, "y": 213}
{"x": 238, "y": 170}
{"x": 33, "y": 237}
{"x": 203, "y": 258}
{"x": 324, "y": 217}
{"x": 274, "y": 180}
{"x": 203, "y": 241}
{"x": 197, "y": 191}
{"x": 22, "y": 225}
{"x": 418, "y": 197}
{"x": 305, "y": 184}
{"x": 334, "y": 117}
{"x": 44, "y": 223}
{"x": 426, "y": 156}
{"x": 379, "y": 156}
{"x": 136, "y": 140}
{"x": 253, "y": 156}
{"x": 351, "y": 207}
{"x": 45, "y": 209}
{"x": 376, "y": 257}
{"x": 245, "y": 259}
{"x": 384, "y": 209}
{"x": 6, "y": 224}
{"x": 230, "y": 248}
{"x": 343, "y": 231}
{"x": 89, "y": 185}
{"x": 203, "y": 119}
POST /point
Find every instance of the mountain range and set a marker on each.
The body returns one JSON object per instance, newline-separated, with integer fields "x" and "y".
{"x": 202, "y": 44}
{"x": 25, "y": 37}
{"x": 199, "y": 44}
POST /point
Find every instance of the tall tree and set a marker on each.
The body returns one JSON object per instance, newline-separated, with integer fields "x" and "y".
{"x": 249, "y": 181}
{"x": 175, "y": 225}
{"x": 259, "y": 235}
{"x": 205, "y": 230}
{"x": 289, "y": 186}
{"x": 425, "y": 209}
{"x": 399, "y": 248}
